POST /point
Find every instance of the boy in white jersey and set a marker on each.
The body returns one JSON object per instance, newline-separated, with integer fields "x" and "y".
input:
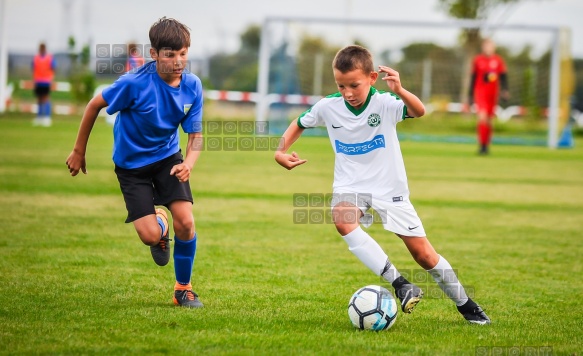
{"x": 369, "y": 173}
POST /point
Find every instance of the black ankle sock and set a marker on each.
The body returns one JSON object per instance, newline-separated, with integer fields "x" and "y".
{"x": 468, "y": 307}
{"x": 398, "y": 283}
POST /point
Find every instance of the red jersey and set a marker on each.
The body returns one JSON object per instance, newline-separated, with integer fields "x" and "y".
{"x": 487, "y": 71}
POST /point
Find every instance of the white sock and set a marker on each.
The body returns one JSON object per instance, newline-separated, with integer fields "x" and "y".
{"x": 371, "y": 254}
{"x": 447, "y": 280}
{"x": 390, "y": 273}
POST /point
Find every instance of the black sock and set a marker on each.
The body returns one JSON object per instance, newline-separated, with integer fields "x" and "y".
{"x": 468, "y": 307}
{"x": 398, "y": 283}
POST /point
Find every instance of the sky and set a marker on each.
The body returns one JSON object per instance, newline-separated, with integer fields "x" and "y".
{"x": 216, "y": 25}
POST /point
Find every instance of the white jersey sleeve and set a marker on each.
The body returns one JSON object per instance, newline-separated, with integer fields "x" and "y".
{"x": 395, "y": 107}
{"x": 311, "y": 118}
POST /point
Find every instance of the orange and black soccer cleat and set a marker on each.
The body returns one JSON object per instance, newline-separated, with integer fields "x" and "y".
{"x": 185, "y": 297}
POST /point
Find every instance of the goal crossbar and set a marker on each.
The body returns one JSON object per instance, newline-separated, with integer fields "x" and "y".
{"x": 554, "y": 92}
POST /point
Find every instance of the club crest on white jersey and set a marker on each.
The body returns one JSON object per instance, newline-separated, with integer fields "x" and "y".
{"x": 367, "y": 152}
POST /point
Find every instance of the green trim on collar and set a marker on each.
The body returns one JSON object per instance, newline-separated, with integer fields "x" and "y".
{"x": 357, "y": 112}
{"x": 335, "y": 95}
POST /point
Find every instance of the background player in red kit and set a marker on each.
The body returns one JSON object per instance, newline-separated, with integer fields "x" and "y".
{"x": 488, "y": 75}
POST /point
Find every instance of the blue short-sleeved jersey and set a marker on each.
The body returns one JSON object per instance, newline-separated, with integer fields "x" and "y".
{"x": 150, "y": 111}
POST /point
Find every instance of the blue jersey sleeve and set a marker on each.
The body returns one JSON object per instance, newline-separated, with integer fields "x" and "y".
{"x": 192, "y": 122}
{"x": 119, "y": 95}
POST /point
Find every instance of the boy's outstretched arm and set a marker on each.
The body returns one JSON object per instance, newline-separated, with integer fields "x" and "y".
{"x": 76, "y": 160}
{"x": 415, "y": 107}
{"x": 286, "y": 160}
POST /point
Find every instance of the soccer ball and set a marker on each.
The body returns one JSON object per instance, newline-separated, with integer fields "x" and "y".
{"x": 372, "y": 308}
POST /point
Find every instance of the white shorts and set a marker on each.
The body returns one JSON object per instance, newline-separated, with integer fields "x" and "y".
{"x": 400, "y": 218}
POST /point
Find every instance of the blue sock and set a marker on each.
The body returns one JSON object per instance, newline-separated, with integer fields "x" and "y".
{"x": 48, "y": 109}
{"x": 41, "y": 110}
{"x": 184, "y": 252}
{"x": 161, "y": 223}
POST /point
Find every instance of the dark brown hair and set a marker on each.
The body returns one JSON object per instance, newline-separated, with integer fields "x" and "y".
{"x": 353, "y": 57}
{"x": 169, "y": 33}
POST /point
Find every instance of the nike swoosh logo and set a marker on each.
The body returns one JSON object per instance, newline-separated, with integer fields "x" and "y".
{"x": 412, "y": 228}
{"x": 336, "y": 127}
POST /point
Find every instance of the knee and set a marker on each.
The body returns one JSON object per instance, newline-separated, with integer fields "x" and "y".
{"x": 346, "y": 219}
{"x": 345, "y": 229}
{"x": 483, "y": 118}
{"x": 426, "y": 259}
{"x": 149, "y": 237}
{"x": 184, "y": 226}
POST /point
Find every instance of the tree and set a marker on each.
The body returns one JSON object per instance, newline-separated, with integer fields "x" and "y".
{"x": 250, "y": 39}
{"x": 82, "y": 79}
{"x": 444, "y": 68}
{"x": 578, "y": 96}
{"x": 314, "y": 67}
{"x": 472, "y": 9}
{"x": 237, "y": 71}
{"x": 471, "y": 38}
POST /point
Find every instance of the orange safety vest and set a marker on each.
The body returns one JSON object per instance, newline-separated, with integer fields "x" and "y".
{"x": 43, "y": 69}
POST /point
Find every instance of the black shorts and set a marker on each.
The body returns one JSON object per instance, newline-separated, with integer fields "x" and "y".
{"x": 41, "y": 89}
{"x": 151, "y": 185}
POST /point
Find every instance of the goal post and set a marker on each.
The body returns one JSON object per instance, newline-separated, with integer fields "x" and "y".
{"x": 557, "y": 48}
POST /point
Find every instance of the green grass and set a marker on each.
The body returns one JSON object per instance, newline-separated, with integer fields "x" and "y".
{"x": 64, "y": 97}
{"x": 74, "y": 279}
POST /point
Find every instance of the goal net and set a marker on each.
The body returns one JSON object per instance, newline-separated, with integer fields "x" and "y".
{"x": 434, "y": 62}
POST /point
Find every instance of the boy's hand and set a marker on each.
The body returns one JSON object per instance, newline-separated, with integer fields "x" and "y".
{"x": 76, "y": 162}
{"x": 391, "y": 78}
{"x": 181, "y": 171}
{"x": 289, "y": 161}
{"x": 415, "y": 107}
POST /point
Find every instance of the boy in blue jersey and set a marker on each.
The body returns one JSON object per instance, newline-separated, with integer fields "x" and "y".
{"x": 153, "y": 101}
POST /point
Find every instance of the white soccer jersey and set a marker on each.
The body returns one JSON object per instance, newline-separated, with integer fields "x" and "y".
{"x": 368, "y": 155}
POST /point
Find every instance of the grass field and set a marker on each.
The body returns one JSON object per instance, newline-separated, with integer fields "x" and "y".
{"x": 74, "y": 279}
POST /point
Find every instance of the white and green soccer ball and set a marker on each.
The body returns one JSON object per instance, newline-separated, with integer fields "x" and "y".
{"x": 372, "y": 308}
